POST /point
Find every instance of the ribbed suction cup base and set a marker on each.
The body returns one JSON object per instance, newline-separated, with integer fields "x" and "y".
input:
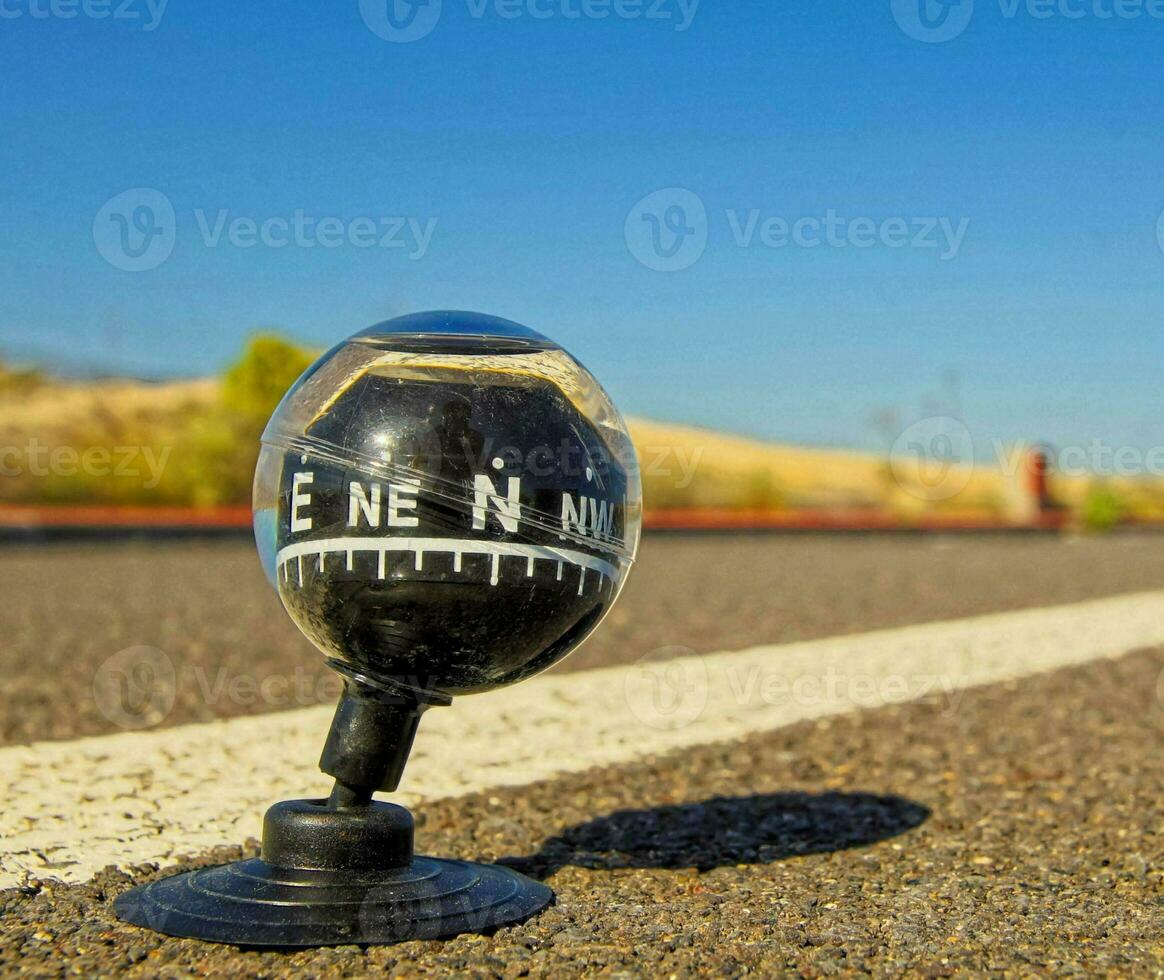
{"x": 365, "y": 887}
{"x": 252, "y": 903}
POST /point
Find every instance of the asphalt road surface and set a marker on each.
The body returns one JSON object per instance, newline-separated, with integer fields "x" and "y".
{"x": 1015, "y": 831}
{"x": 1019, "y": 834}
{"x": 207, "y": 607}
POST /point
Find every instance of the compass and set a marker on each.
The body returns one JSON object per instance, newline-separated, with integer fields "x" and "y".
{"x": 447, "y": 504}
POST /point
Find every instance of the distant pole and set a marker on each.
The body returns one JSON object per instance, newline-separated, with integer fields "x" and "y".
{"x": 1039, "y": 469}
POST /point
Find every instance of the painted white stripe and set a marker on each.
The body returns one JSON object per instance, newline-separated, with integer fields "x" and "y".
{"x": 72, "y": 808}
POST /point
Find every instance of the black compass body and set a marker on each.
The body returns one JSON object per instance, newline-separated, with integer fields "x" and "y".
{"x": 447, "y": 503}
{"x": 451, "y": 521}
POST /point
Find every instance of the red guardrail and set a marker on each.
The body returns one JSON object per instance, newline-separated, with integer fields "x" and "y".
{"x": 87, "y": 517}
{"x": 62, "y": 517}
{"x": 710, "y": 519}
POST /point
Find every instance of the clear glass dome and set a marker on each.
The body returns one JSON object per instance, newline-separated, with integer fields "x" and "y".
{"x": 447, "y": 503}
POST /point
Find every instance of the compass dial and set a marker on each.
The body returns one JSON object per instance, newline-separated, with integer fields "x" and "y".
{"x": 447, "y": 503}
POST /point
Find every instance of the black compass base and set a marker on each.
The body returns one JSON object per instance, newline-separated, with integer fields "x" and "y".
{"x": 252, "y": 903}
{"x": 330, "y": 877}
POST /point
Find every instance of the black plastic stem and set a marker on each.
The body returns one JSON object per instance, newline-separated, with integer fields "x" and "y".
{"x": 343, "y": 796}
{"x": 368, "y": 745}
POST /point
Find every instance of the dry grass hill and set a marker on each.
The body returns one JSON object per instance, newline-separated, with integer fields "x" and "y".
{"x": 202, "y": 436}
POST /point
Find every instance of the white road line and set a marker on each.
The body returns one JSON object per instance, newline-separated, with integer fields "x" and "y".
{"x": 71, "y": 808}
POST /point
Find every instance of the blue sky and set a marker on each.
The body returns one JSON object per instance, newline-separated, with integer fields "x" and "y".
{"x": 520, "y": 136}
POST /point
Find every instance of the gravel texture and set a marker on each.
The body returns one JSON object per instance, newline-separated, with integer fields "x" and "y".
{"x": 208, "y": 608}
{"x": 1018, "y": 834}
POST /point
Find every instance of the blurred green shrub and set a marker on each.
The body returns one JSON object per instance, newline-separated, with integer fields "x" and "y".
{"x": 269, "y": 365}
{"x": 216, "y": 449}
{"x": 213, "y": 460}
{"x": 761, "y": 491}
{"x": 1103, "y": 509}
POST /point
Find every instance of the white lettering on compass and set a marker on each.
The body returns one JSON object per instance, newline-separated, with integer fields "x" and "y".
{"x": 401, "y": 497}
{"x": 300, "y": 499}
{"x": 486, "y": 495}
{"x": 587, "y": 517}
